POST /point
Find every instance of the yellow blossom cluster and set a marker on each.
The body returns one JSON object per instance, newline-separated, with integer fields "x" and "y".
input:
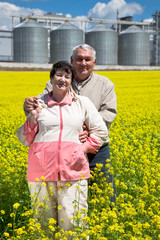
{"x": 134, "y": 147}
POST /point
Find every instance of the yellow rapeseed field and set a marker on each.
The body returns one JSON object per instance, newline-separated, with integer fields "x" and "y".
{"x": 134, "y": 146}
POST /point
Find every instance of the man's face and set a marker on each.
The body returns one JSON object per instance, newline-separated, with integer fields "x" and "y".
{"x": 83, "y": 64}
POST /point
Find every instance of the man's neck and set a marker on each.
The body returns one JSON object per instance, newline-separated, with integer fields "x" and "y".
{"x": 81, "y": 80}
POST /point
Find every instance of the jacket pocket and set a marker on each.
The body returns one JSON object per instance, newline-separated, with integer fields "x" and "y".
{"x": 78, "y": 159}
{"x": 41, "y": 158}
{"x": 49, "y": 158}
{"x": 36, "y": 159}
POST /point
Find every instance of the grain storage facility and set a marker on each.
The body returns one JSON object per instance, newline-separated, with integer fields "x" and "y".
{"x": 62, "y": 41}
{"x": 51, "y": 37}
{"x": 30, "y": 42}
{"x": 6, "y": 48}
{"x": 105, "y": 41}
{"x": 134, "y": 47}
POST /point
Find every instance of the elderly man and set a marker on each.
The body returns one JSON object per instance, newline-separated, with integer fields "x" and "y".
{"x": 101, "y": 92}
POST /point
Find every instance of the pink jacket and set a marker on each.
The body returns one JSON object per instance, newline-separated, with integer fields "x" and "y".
{"x": 54, "y": 143}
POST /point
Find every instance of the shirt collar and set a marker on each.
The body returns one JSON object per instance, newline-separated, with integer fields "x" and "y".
{"x": 83, "y": 82}
{"x": 67, "y": 100}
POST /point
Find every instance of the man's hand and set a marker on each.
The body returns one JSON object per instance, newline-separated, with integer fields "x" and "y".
{"x": 30, "y": 104}
{"x": 83, "y": 135}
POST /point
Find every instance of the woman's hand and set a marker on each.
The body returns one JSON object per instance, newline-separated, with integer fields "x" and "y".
{"x": 30, "y": 104}
{"x": 34, "y": 114}
{"x": 83, "y": 135}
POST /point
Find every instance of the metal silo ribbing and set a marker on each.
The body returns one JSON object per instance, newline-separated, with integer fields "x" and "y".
{"x": 62, "y": 40}
{"x": 134, "y": 47}
{"x": 105, "y": 41}
{"x": 30, "y": 43}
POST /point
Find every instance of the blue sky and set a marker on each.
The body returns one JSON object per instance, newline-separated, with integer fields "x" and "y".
{"x": 139, "y": 9}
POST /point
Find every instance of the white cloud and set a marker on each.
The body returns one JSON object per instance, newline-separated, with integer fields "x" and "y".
{"x": 100, "y": 10}
{"x": 7, "y": 10}
{"x": 148, "y": 20}
{"x": 130, "y": 9}
{"x": 109, "y": 10}
{"x": 68, "y": 15}
{"x": 80, "y": 24}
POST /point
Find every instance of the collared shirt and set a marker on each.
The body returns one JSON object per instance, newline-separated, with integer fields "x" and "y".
{"x": 79, "y": 85}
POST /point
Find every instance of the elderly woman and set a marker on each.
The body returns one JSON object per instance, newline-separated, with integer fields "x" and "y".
{"x": 55, "y": 153}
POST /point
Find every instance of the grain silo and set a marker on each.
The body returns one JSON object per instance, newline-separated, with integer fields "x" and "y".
{"x": 62, "y": 40}
{"x": 134, "y": 47}
{"x": 30, "y": 42}
{"x": 105, "y": 41}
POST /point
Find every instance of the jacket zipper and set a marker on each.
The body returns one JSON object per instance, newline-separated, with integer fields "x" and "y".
{"x": 59, "y": 141}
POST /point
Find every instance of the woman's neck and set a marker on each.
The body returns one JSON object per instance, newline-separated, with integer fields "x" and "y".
{"x": 59, "y": 97}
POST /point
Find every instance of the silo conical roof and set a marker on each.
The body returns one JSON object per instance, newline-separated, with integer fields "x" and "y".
{"x": 133, "y": 29}
{"x": 100, "y": 28}
{"x": 29, "y": 23}
{"x": 66, "y": 26}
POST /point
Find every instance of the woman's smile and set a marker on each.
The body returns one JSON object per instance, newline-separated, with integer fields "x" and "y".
{"x": 61, "y": 82}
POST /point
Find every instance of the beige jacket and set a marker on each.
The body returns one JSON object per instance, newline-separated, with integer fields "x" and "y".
{"x": 100, "y": 90}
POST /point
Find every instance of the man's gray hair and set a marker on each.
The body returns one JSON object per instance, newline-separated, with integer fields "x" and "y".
{"x": 85, "y": 47}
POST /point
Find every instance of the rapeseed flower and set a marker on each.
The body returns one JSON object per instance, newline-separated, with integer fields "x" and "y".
{"x": 16, "y": 205}
{"x": 135, "y": 163}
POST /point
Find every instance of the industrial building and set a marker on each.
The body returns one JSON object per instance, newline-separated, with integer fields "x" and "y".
{"x": 6, "y": 39}
{"x": 50, "y": 38}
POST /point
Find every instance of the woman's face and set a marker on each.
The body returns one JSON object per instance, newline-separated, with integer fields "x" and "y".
{"x": 61, "y": 81}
